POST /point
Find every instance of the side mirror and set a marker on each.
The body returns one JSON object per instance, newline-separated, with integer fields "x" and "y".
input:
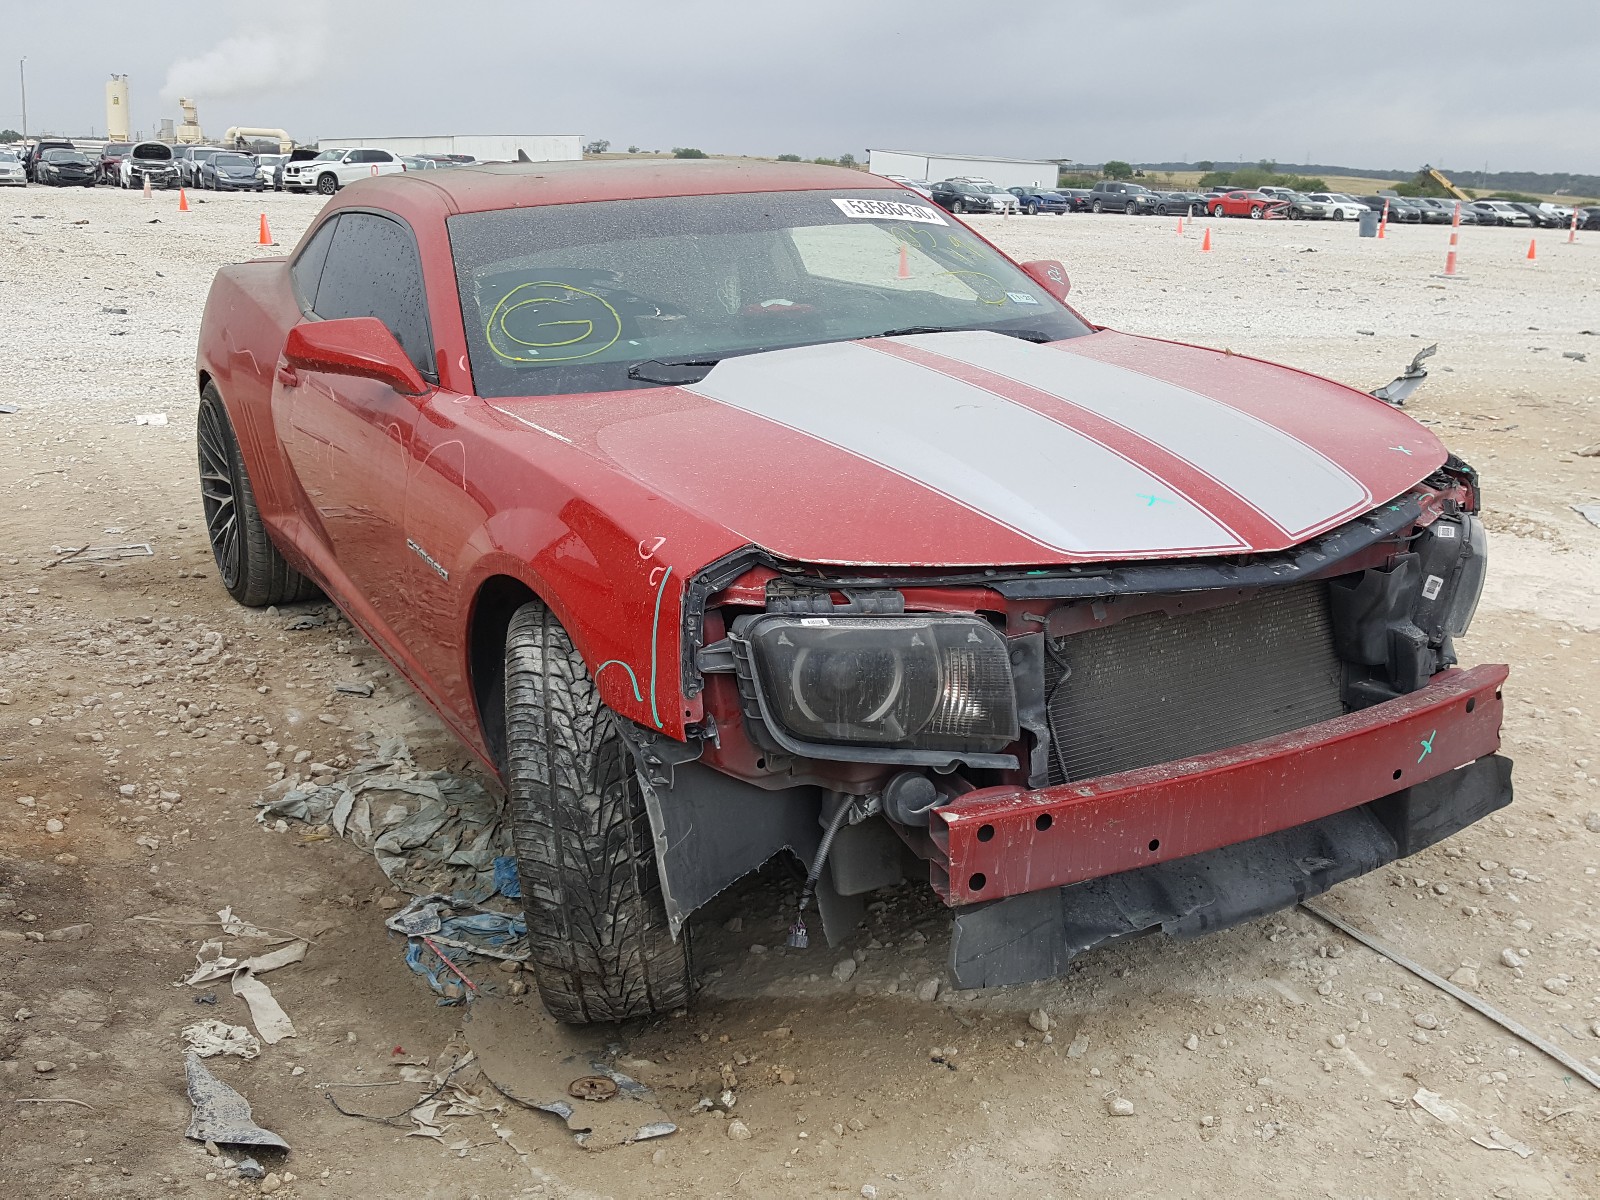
{"x": 358, "y": 346}
{"x": 1050, "y": 275}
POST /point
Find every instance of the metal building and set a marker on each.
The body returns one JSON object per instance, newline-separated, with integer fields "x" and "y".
{"x": 1007, "y": 172}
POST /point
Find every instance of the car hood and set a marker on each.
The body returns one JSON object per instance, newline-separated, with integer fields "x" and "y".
{"x": 978, "y": 449}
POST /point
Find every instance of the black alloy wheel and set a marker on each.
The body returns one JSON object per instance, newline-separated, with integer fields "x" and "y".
{"x": 249, "y": 565}
{"x": 327, "y": 183}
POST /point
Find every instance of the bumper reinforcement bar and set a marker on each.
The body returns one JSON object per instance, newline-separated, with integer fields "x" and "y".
{"x": 1000, "y": 842}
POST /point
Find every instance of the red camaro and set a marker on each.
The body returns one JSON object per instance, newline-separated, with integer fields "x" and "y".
{"x": 1254, "y": 205}
{"x": 729, "y": 508}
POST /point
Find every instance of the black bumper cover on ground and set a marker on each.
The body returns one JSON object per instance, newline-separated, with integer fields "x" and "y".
{"x": 1034, "y": 936}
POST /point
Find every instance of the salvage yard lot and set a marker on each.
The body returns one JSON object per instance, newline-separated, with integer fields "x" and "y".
{"x": 1274, "y": 1059}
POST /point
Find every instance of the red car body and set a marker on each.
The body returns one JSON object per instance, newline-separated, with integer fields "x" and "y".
{"x": 1247, "y": 204}
{"x": 1054, "y": 489}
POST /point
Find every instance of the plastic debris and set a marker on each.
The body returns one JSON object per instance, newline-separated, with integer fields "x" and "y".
{"x": 150, "y": 419}
{"x": 506, "y": 880}
{"x": 1589, "y": 512}
{"x": 221, "y": 1115}
{"x": 211, "y": 1038}
{"x": 431, "y": 831}
{"x": 432, "y": 922}
{"x": 271, "y": 1022}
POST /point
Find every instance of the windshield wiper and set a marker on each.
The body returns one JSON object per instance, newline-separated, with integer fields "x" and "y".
{"x": 656, "y": 370}
{"x": 1027, "y": 335}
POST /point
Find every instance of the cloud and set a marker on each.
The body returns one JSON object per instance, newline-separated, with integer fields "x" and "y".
{"x": 258, "y": 57}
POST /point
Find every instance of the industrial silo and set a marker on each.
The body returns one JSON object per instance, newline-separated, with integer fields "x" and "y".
{"x": 117, "y": 108}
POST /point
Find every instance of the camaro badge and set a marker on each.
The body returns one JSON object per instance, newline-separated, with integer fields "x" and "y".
{"x": 428, "y": 558}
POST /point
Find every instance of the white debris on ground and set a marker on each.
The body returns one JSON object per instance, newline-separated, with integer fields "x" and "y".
{"x": 213, "y": 1037}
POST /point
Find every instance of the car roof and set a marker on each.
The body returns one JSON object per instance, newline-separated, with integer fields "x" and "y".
{"x": 486, "y": 187}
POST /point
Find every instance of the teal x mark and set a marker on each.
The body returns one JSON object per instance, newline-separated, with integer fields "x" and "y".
{"x": 1152, "y": 501}
{"x": 1427, "y": 745}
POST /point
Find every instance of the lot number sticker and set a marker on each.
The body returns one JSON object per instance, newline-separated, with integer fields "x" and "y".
{"x": 889, "y": 210}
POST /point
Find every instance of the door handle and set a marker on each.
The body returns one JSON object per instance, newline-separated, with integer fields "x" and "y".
{"x": 288, "y": 376}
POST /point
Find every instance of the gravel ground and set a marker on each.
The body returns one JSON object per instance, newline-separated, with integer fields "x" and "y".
{"x": 139, "y": 710}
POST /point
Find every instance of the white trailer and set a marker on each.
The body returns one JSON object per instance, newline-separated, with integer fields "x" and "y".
{"x": 485, "y": 147}
{"x": 1006, "y": 172}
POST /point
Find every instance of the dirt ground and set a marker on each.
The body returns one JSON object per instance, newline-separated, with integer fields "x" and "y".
{"x": 139, "y": 708}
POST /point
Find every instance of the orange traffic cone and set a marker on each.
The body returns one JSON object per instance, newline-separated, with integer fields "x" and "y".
{"x": 183, "y": 200}
{"x": 266, "y": 232}
{"x": 1180, "y": 226}
{"x": 1533, "y": 250}
{"x": 147, "y": 187}
{"x": 903, "y": 273}
{"x": 1206, "y": 242}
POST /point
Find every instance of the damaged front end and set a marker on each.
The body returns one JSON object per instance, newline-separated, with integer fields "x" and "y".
{"x": 1083, "y": 753}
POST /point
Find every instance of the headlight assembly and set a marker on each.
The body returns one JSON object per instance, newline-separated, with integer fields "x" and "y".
{"x": 928, "y": 689}
{"x": 1455, "y": 556}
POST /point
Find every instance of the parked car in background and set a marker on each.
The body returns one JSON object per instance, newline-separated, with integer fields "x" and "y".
{"x": 1077, "y": 197}
{"x": 920, "y": 186}
{"x": 1109, "y": 196}
{"x": 110, "y": 168}
{"x": 1245, "y": 203}
{"x": 1504, "y": 213}
{"x": 1178, "y": 650}
{"x": 414, "y": 163}
{"x": 1000, "y": 200}
{"x": 1303, "y": 208}
{"x": 12, "y": 173}
{"x": 1564, "y": 211}
{"x": 154, "y": 161}
{"x": 1589, "y": 218}
{"x": 1343, "y": 208}
{"x": 959, "y": 196}
{"x": 1398, "y": 212}
{"x": 189, "y": 166}
{"x": 231, "y": 172}
{"x": 268, "y": 166}
{"x": 34, "y": 153}
{"x": 1541, "y": 218}
{"x": 65, "y": 168}
{"x": 1188, "y": 204}
{"x": 1448, "y": 208}
{"x": 1040, "y": 200}
{"x": 332, "y": 169}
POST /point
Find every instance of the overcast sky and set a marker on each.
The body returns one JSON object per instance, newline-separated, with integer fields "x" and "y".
{"x": 1366, "y": 85}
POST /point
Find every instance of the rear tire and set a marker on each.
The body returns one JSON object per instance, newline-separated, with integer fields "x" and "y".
{"x": 597, "y": 926}
{"x": 250, "y": 566}
{"x": 1217, "y": 211}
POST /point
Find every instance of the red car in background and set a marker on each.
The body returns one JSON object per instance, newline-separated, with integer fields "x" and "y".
{"x": 1255, "y": 205}
{"x": 728, "y": 508}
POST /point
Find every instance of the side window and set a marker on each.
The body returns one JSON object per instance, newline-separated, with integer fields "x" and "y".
{"x": 306, "y": 272}
{"x": 356, "y": 156}
{"x": 380, "y": 156}
{"x": 372, "y": 270}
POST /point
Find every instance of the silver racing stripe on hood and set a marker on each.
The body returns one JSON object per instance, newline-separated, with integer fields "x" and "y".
{"x": 1296, "y": 487}
{"x": 1018, "y": 467}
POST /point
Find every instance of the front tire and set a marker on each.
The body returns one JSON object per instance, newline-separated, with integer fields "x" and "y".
{"x": 1257, "y": 213}
{"x": 1095, "y": 207}
{"x": 250, "y": 566}
{"x": 327, "y": 183}
{"x": 601, "y": 948}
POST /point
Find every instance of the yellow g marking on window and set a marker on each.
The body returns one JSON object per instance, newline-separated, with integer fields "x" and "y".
{"x": 602, "y": 325}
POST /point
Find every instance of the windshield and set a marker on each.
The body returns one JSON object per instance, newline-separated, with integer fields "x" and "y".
{"x": 329, "y": 156}
{"x": 233, "y": 162}
{"x": 112, "y": 149}
{"x": 8, "y": 156}
{"x": 204, "y": 155}
{"x": 566, "y": 298}
{"x": 65, "y": 156}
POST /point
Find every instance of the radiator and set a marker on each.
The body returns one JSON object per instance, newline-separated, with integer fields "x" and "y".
{"x": 1153, "y": 688}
